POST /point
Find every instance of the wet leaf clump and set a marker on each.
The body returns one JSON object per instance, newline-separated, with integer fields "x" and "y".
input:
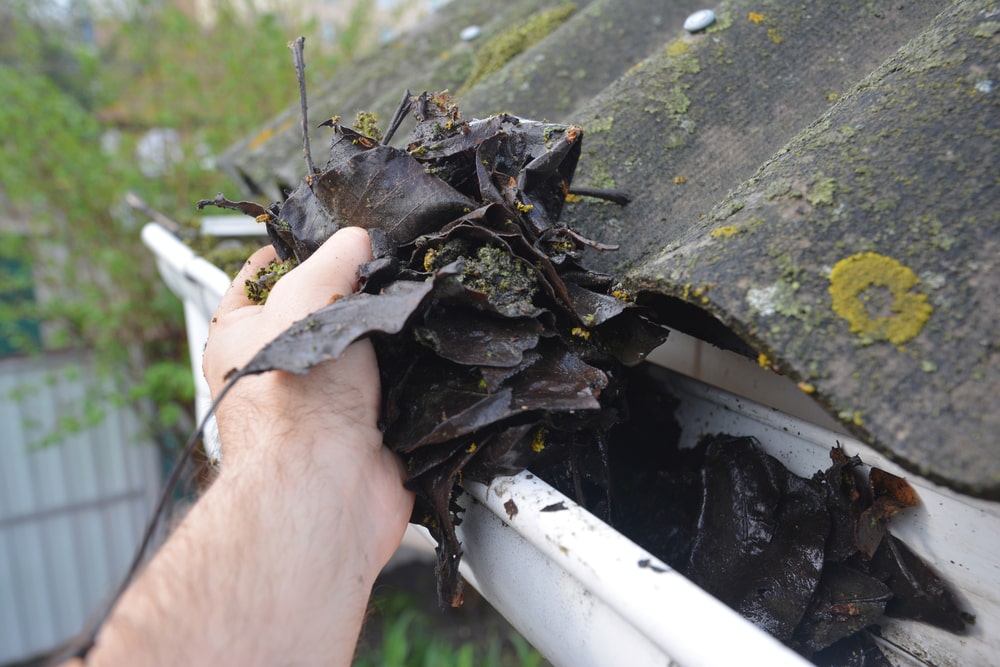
{"x": 810, "y": 560}
{"x": 498, "y": 349}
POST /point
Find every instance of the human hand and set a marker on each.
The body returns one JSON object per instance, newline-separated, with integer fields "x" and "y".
{"x": 322, "y": 423}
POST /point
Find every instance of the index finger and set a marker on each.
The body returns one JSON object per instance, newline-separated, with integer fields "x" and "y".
{"x": 236, "y": 296}
{"x": 331, "y": 272}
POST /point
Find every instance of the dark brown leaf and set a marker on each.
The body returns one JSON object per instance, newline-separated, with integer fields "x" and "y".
{"x": 472, "y": 339}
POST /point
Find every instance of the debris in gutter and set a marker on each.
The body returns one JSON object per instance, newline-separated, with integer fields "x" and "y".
{"x": 555, "y": 507}
{"x": 810, "y": 560}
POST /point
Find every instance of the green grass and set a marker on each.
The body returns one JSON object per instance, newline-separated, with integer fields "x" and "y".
{"x": 404, "y": 631}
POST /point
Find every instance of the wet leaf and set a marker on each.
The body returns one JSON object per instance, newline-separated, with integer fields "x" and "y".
{"x": 843, "y": 495}
{"x": 845, "y": 602}
{"x": 890, "y": 495}
{"x": 325, "y": 334}
{"x": 762, "y": 535}
{"x": 384, "y": 188}
{"x": 471, "y": 339}
{"x": 918, "y": 592}
{"x": 858, "y": 650}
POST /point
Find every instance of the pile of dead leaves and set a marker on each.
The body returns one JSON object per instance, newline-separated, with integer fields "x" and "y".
{"x": 810, "y": 560}
{"x": 497, "y": 348}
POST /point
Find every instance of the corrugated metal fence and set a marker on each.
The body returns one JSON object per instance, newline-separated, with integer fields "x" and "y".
{"x": 71, "y": 514}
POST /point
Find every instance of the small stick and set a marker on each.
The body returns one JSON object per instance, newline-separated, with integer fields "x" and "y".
{"x": 614, "y": 196}
{"x": 139, "y": 204}
{"x": 397, "y": 117}
{"x": 300, "y": 72}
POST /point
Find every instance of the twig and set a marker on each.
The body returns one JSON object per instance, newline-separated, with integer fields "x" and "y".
{"x": 139, "y": 204}
{"x": 397, "y": 117}
{"x": 614, "y": 196}
{"x": 300, "y": 72}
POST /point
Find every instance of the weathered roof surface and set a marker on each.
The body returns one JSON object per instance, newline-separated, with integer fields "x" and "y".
{"x": 819, "y": 178}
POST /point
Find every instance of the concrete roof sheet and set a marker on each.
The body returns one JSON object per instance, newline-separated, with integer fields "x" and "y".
{"x": 814, "y": 182}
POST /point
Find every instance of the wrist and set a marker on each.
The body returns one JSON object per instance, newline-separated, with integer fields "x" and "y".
{"x": 339, "y": 480}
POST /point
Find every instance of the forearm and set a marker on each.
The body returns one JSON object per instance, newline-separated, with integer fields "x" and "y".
{"x": 269, "y": 567}
{"x": 274, "y": 565}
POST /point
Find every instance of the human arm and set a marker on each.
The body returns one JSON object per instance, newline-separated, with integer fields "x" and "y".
{"x": 275, "y": 563}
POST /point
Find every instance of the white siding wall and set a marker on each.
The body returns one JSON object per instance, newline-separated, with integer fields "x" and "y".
{"x": 71, "y": 514}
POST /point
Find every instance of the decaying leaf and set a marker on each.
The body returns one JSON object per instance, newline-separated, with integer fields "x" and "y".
{"x": 889, "y": 495}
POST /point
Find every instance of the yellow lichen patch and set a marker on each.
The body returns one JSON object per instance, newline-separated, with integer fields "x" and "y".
{"x": 725, "y": 231}
{"x": 621, "y": 295}
{"x": 763, "y": 360}
{"x": 680, "y": 180}
{"x": 429, "y": 259}
{"x": 774, "y": 35}
{"x": 268, "y": 133}
{"x": 755, "y": 17}
{"x": 260, "y": 138}
{"x": 851, "y": 279}
{"x": 524, "y": 208}
{"x": 573, "y": 199}
{"x": 471, "y": 448}
{"x": 538, "y": 442}
{"x": 678, "y": 48}
{"x": 807, "y": 388}
{"x": 580, "y": 332}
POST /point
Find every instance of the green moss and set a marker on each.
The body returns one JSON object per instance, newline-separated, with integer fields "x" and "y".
{"x": 822, "y": 191}
{"x": 500, "y": 50}
{"x": 600, "y": 176}
{"x": 850, "y": 282}
{"x": 723, "y": 21}
{"x": 727, "y": 209}
{"x": 602, "y": 124}
{"x": 509, "y": 284}
{"x": 678, "y": 47}
{"x": 666, "y": 86}
{"x": 366, "y": 123}
{"x": 259, "y": 287}
{"x": 777, "y": 188}
{"x": 986, "y": 29}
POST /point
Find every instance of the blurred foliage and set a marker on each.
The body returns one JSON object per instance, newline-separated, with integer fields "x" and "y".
{"x": 406, "y": 637}
{"x": 81, "y": 91}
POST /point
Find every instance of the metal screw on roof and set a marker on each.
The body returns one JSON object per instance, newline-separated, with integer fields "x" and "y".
{"x": 469, "y": 33}
{"x": 700, "y": 20}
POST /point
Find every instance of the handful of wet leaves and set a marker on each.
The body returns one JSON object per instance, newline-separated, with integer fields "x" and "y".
{"x": 497, "y": 348}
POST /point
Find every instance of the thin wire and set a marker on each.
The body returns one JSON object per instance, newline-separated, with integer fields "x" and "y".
{"x": 154, "y": 522}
